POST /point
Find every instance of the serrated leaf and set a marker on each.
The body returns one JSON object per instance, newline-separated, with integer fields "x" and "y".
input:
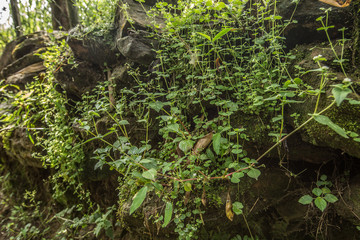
{"x": 221, "y": 33}
{"x": 325, "y": 190}
{"x": 138, "y": 199}
{"x": 326, "y": 121}
{"x": 317, "y": 191}
{"x": 306, "y": 199}
{"x": 320, "y": 203}
{"x": 330, "y": 198}
{"x": 186, "y": 145}
{"x": 237, "y": 208}
{"x": 168, "y": 213}
{"x": 216, "y": 143}
{"x": 254, "y": 173}
{"x": 340, "y": 94}
{"x": 150, "y": 174}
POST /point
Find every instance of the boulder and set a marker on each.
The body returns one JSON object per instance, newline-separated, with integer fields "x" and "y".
{"x": 306, "y": 13}
{"x": 138, "y": 47}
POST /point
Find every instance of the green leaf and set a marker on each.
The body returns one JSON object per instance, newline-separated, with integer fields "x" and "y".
{"x": 187, "y": 187}
{"x": 168, "y": 213}
{"x": 124, "y": 122}
{"x": 216, "y": 143}
{"x": 317, "y": 191}
{"x": 306, "y": 199}
{"x": 205, "y": 36}
{"x": 325, "y": 190}
{"x": 354, "y": 102}
{"x": 186, "y": 145}
{"x": 150, "y": 174}
{"x": 330, "y": 198}
{"x": 326, "y": 121}
{"x": 157, "y": 106}
{"x": 237, "y": 208}
{"x": 320, "y": 203}
{"x": 221, "y": 33}
{"x": 158, "y": 186}
{"x": 235, "y": 179}
{"x": 138, "y": 199}
{"x": 253, "y": 173}
{"x": 340, "y": 94}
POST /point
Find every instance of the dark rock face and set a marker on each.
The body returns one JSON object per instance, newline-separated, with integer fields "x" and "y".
{"x": 91, "y": 48}
{"x": 306, "y": 13}
{"x": 131, "y": 15}
{"x": 77, "y": 81}
{"x": 20, "y": 61}
{"x": 20, "y": 148}
{"x": 137, "y": 47}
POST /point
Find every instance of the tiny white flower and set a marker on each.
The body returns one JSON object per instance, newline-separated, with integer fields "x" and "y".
{"x": 346, "y": 80}
{"x": 317, "y": 57}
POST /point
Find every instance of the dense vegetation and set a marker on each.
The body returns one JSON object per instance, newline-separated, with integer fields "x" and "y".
{"x": 180, "y": 134}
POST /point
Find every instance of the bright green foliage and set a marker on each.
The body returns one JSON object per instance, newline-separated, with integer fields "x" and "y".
{"x": 323, "y": 194}
{"x": 168, "y": 213}
{"x": 326, "y": 121}
{"x": 138, "y": 199}
{"x": 217, "y": 63}
{"x": 237, "y": 208}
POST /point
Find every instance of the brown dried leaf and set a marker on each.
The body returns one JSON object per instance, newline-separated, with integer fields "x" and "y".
{"x": 228, "y": 208}
{"x": 203, "y": 198}
{"x": 217, "y": 64}
{"x": 336, "y": 3}
{"x": 202, "y": 143}
{"x": 187, "y": 197}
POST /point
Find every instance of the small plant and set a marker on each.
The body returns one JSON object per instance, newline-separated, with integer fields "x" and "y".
{"x": 322, "y": 194}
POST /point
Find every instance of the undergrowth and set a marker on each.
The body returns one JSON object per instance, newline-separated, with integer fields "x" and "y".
{"x": 218, "y": 65}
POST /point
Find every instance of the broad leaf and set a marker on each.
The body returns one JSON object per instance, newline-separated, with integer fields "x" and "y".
{"x": 168, "y": 213}
{"x": 234, "y": 179}
{"x": 306, "y": 199}
{"x": 187, "y": 187}
{"x": 216, "y": 143}
{"x": 320, "y": 203}
{"x": 221, "y": 33}
{"x": 330, "y": 198}
{"x": 253, "y": 173}
{"x": 157, "y": 106}
{"x": 326, "y": 121}
{"x": 237, "y": 208}
{"x": 340, "y": 94}
{"x": 138, "y": 199}
{"x": 186, "y": 145}
{"x": 150, "y": 174}
{"x": 317, "y": 191}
